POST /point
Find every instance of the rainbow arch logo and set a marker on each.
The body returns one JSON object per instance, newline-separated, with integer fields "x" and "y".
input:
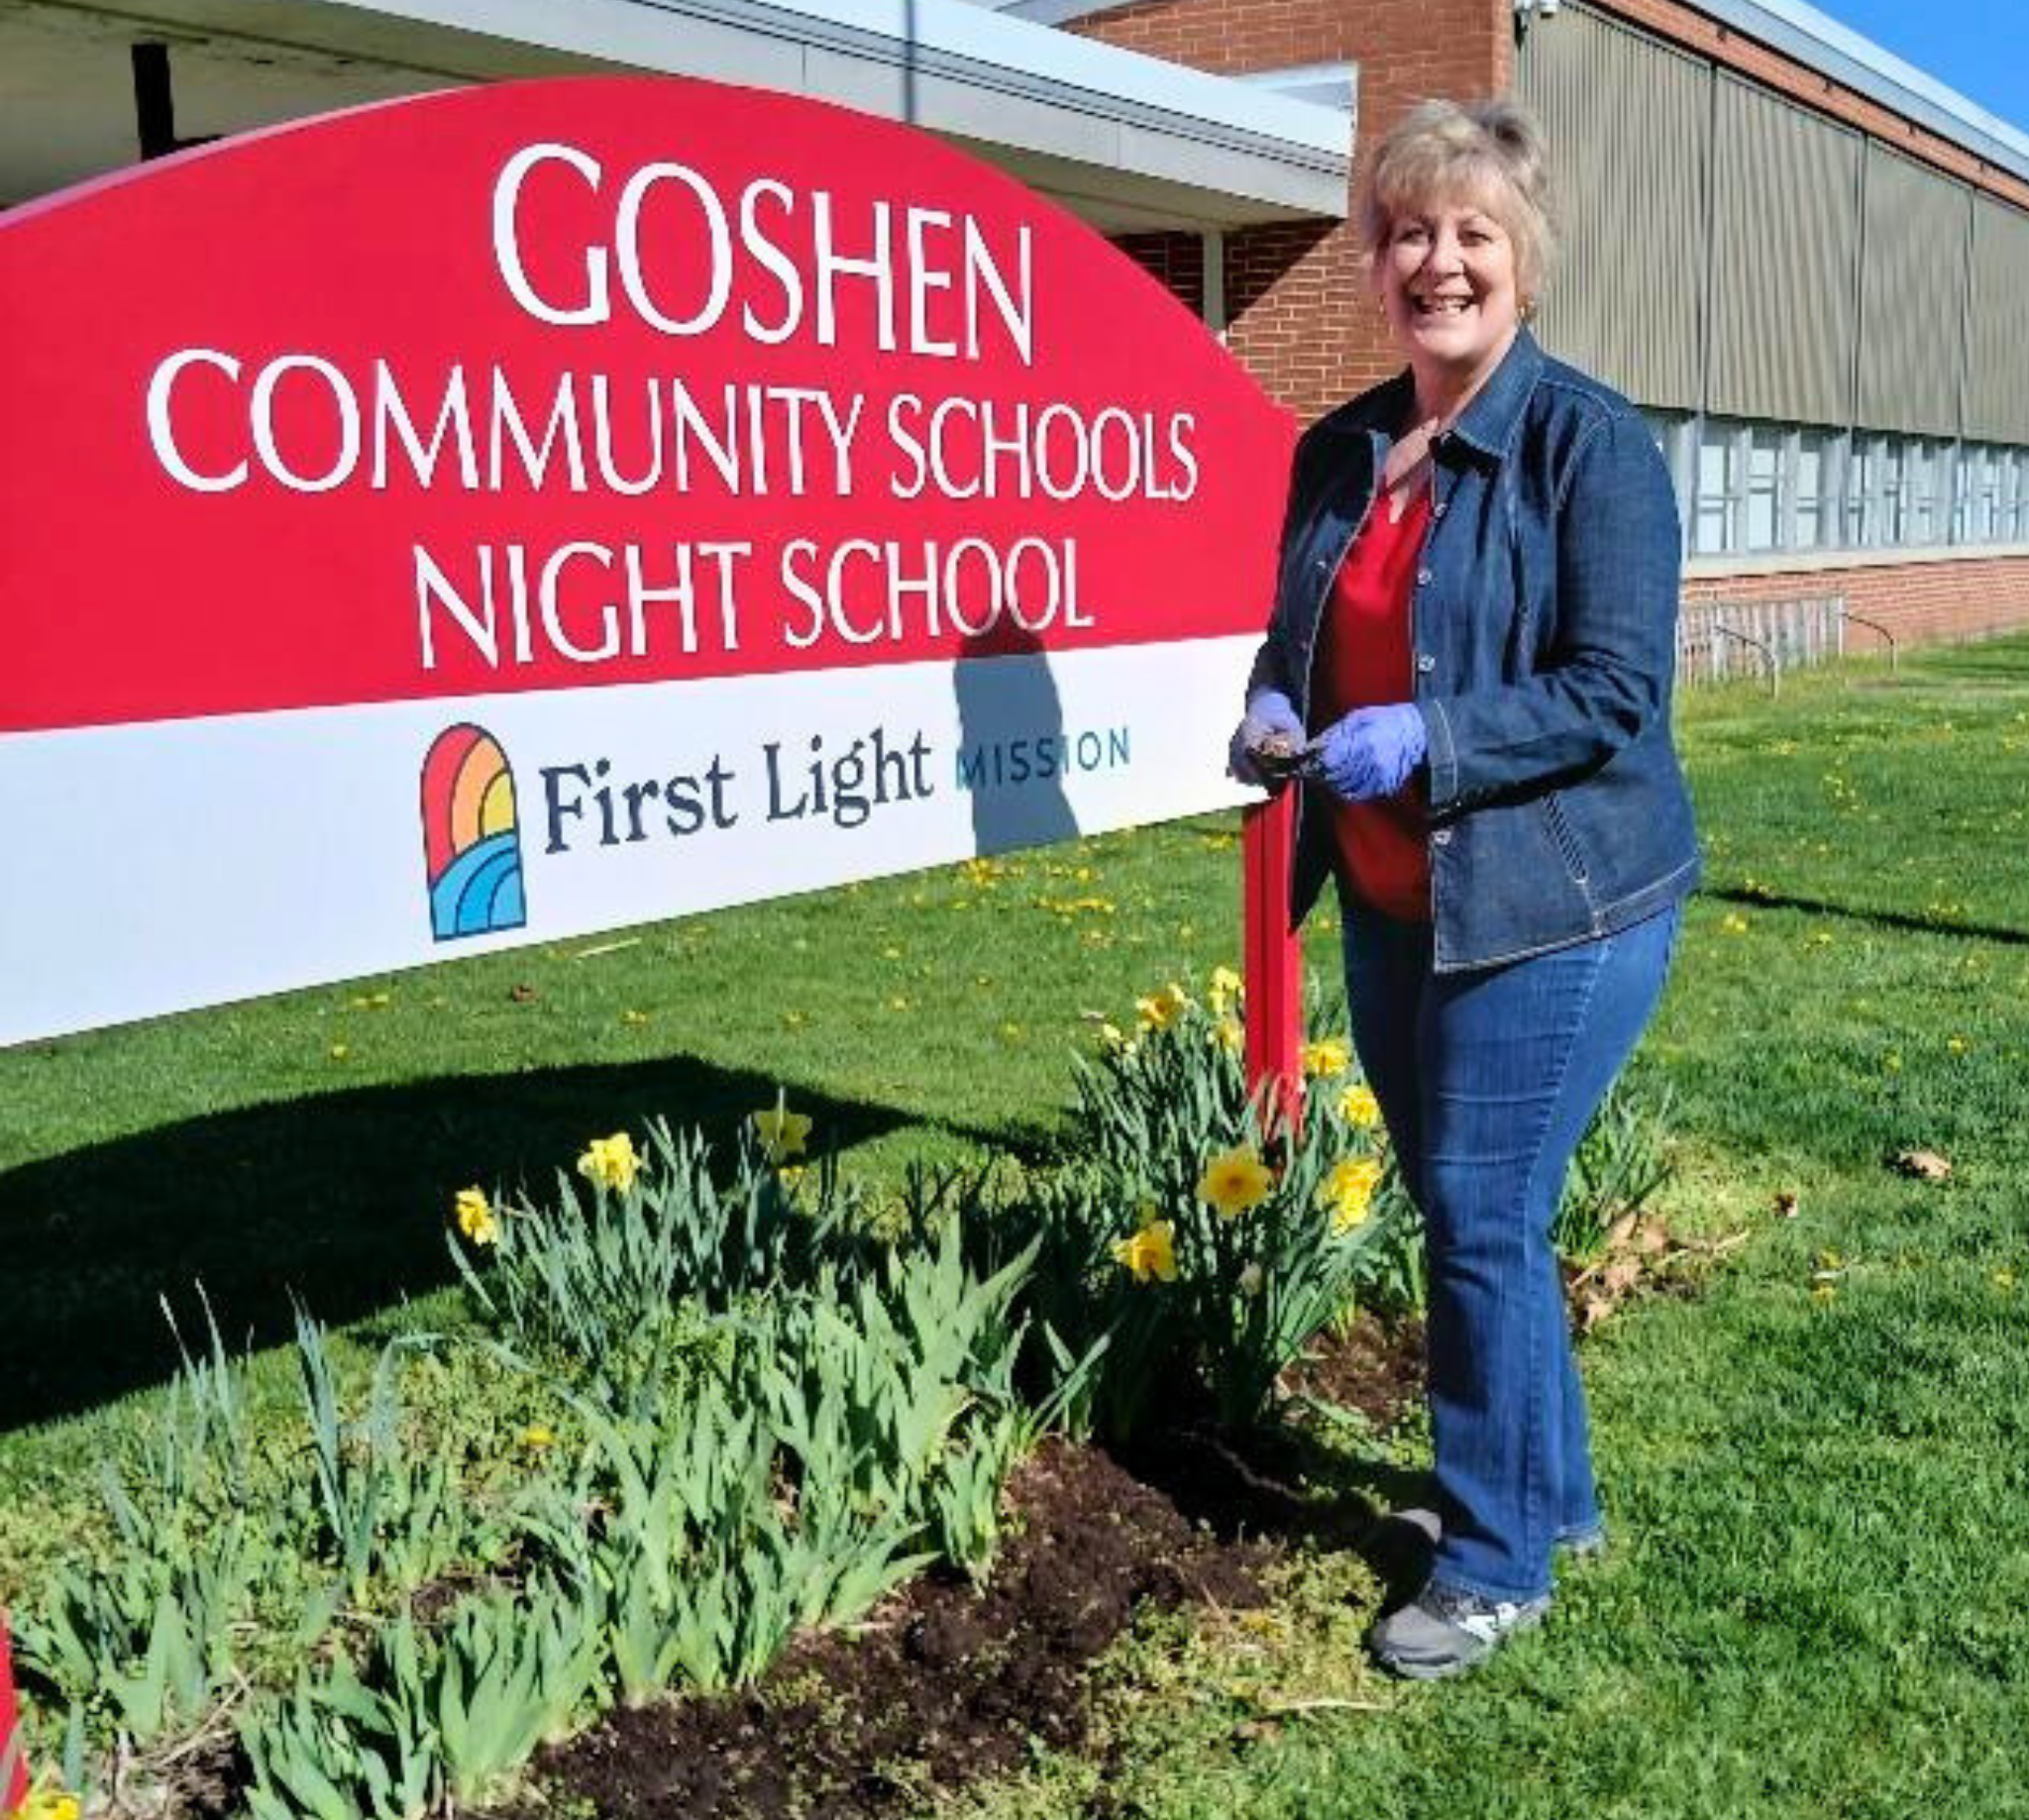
{"x": 471, "y": 837}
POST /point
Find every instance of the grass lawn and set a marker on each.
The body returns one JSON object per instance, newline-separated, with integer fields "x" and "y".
{"x": 1816, "y": 1470}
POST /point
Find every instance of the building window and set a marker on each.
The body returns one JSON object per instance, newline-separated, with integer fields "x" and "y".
{"x": 1863, "y": 484}
{"x": 1815, "y": 494}
{"x": 1764, "y": 488}
{"x": 1720, "y": 494}
{"x": 1980, "y": 495}
{"x": 1889, "y": 507}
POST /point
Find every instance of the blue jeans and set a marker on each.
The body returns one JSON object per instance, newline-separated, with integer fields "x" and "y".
{"x": 1487, "y": 1081}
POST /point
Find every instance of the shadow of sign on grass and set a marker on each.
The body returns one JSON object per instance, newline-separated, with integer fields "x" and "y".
{"x": 343, "y": 1199}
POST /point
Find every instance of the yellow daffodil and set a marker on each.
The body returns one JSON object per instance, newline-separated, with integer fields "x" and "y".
{"x": 474, "y": 1217}
{"x": 610, "y": 1162}
{"x": 1251, "y": 1281}
{"x": 1235, "y": 1180}
{"x": 782, "y": 1133}
{"x": 1224, "y": 991}
{"x": 1348, "y": 1191}
{"x": 1162, "y": 1009}
{"x": 1359, "y": 1107}
{"x": 1229, "y": 1034}
{"x": 1328, "y": 1057}
{"x": 1112, "y": 1035}
{"x": 1150, "y": 1254}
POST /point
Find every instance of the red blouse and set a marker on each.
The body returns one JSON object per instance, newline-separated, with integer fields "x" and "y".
{"x": 1365, "y": 663}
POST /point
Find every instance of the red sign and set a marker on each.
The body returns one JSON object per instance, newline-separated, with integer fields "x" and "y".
{"x": 583, "y": 382}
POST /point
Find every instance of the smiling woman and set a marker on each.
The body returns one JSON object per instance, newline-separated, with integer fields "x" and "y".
{"x": 1474, "y": 632}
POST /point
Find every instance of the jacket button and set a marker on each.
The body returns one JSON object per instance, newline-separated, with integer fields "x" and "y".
{"x": 1438, "y": 510}
{"x": 1423, "y": 577}
{"x": 1442, "y": 839}
{"x": 1426, "y": 663}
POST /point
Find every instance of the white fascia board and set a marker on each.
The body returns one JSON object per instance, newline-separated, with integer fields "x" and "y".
{"x": 926, "y": 55}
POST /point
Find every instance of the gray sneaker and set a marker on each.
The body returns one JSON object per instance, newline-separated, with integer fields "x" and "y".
{"x": 1446, "y": 1631}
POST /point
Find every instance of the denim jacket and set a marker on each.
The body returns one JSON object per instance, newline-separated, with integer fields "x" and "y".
{"x": 1543, "y": 624}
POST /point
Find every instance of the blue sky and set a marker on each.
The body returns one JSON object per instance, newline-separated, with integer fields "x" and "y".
{"x": 1980, "y": 48}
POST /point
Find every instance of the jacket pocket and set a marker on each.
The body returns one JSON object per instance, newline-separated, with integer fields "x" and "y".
{"x": 1567, "y": 847}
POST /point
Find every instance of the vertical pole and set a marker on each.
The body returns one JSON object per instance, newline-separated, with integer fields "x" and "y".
{"x": 155, "y": 100}
{"x": 13, "y": 1744}
{"x": 1274, "y": 956}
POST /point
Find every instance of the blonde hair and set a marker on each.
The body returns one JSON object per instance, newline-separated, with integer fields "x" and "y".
{"x": 1490, "y": 150}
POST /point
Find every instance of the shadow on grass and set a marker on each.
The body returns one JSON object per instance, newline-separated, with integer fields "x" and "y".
{"x": 1881, "y": 919}
{"x": 342, "y": 1199}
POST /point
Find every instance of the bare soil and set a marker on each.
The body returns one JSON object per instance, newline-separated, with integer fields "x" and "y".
{"x": 947, "y": 1684}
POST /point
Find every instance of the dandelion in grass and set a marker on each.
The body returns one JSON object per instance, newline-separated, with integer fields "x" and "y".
{"x": 610, "y": 1162}
{"x": 339, "y": 1052}
{"x": 1348, "y": 1191}
{"x": 1359, "y": 1107}
{"x": 1326, "y": 1057}
{"x": 536, "y": 1437}
{"x": 1235, "y": 1180}
{"x": 782, "y": 1133}
{"x": 475, "y": 1218}
{"x": 2004, "y": 1279}
{"x": 633, "y": 1019}
{"x": 1150, "y": 1255}
{"x": 48, "y": 1804}
{"x": 1734, "y": 924}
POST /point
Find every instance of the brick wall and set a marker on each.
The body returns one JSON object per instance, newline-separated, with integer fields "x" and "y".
{"x": 1175, "y": 261}
{"x": 1919, "y": 603}
{"x": 1298, "y": 311}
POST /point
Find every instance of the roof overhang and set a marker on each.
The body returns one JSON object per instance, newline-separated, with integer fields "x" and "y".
{"x": 1124, "y": 140}
{"x": 1797, "y": 29}
{"x": 1824, "y": 45}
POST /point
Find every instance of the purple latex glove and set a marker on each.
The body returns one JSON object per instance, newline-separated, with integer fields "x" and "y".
{"x": 1270, "y": 715}
{"x": 1370, "y": 753}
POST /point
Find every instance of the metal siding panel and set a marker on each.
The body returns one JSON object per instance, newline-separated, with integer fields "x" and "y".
{"x": 1627, "y": 122}
{"x": 1997, "y": 369}
{"x": 1784, "y": 238}
{"x": 1912, "y": 357}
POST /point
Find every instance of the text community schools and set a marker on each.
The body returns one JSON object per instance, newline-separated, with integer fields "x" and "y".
{"x": 666, "y": 250}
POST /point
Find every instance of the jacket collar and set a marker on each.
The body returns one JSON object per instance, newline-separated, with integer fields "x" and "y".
{"x": 1489, "y": 422}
